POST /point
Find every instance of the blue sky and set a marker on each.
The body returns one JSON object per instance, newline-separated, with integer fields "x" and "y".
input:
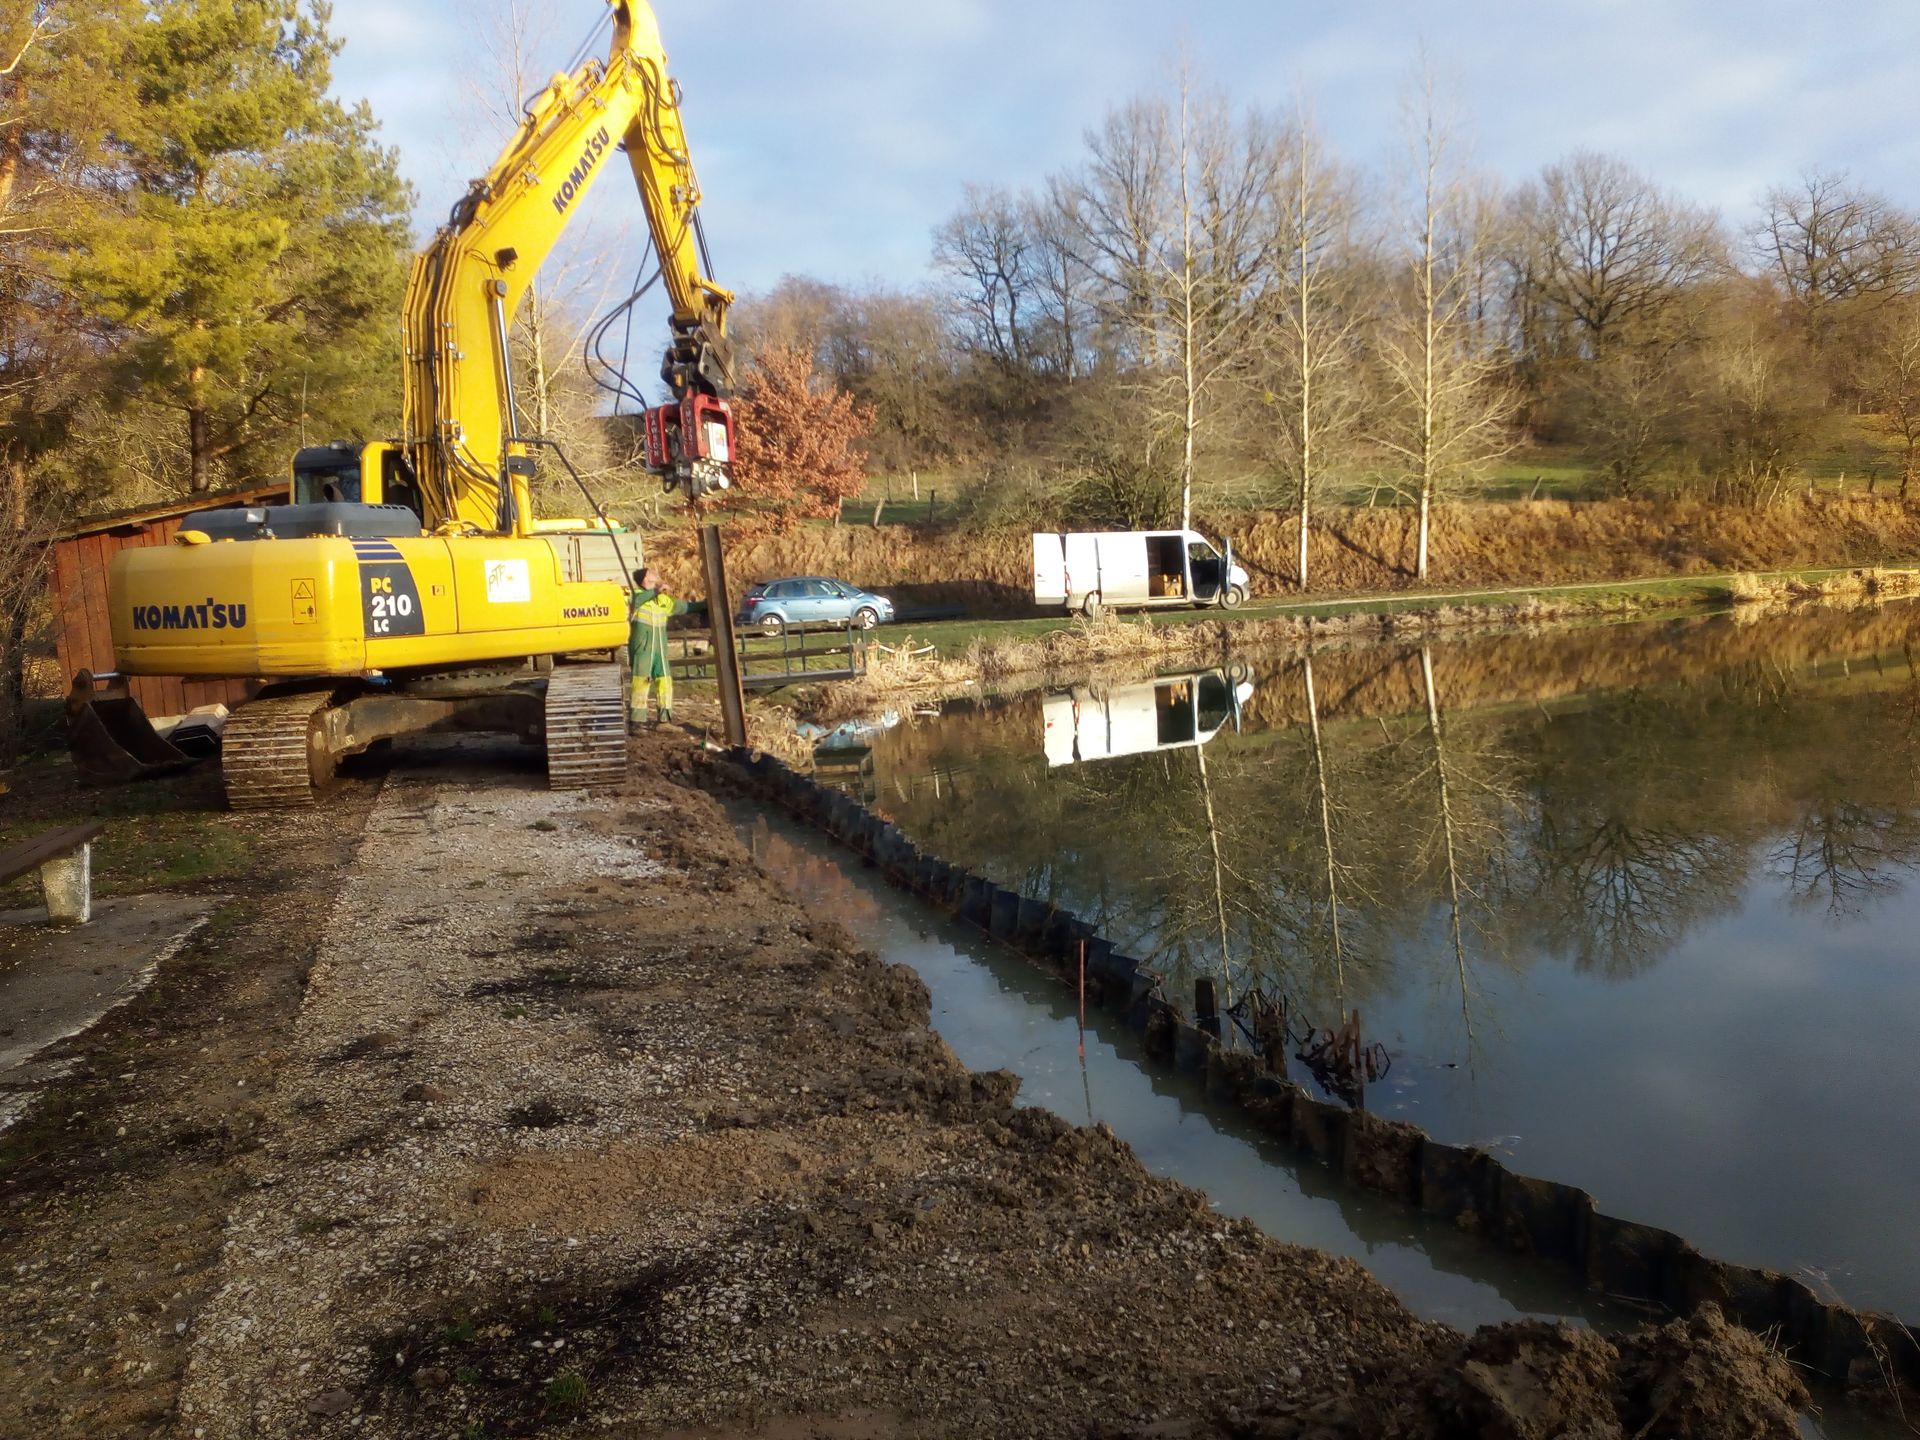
{"x": 832, "y": 135}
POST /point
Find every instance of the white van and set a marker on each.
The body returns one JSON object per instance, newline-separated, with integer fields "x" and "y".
{"x": 1134, "y": 569}
{"x": 1171, "y": 713}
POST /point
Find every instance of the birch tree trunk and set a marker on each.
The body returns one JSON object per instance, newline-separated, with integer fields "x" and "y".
{"x": 1443, "y": 410}
{"x": 1450, "y": 858}
{"x": 1324, "y": 803}
{"x": 1219, "y": 873}
{"x": 1188, "y": 394}
{"x": 1315, "y": 258}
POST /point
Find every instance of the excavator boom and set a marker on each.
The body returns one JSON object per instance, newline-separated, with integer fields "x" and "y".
{"x": 462, "y": 437}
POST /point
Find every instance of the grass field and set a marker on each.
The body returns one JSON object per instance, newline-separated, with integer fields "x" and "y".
{"x": 167, "y": 832}
{"x": 1854, "y": 457}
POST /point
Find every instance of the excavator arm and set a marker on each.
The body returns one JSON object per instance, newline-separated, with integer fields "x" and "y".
{"x": 461, "y": 437}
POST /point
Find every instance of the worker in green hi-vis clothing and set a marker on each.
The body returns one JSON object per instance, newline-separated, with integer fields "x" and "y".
{"x": 648, "y": 611}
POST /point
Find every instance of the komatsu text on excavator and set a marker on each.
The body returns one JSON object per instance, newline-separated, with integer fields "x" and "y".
{"x": 410, "y": 586}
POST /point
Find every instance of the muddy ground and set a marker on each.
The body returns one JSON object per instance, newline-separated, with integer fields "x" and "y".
{"x": 486, "y": 1111}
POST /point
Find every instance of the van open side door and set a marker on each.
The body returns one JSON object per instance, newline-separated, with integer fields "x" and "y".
{"x": 1049, "y": 570}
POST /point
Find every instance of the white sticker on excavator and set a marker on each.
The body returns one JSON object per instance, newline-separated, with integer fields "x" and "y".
{"x": 508, "y": 582}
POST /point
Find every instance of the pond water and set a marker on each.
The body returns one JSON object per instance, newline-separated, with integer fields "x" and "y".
{"x": 1632, "y": 906}
{"x": 999, "y": 1011}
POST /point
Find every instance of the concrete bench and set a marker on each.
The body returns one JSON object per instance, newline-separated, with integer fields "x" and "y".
{"x": 64, "y": 859}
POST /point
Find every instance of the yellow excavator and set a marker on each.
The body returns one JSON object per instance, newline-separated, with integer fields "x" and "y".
{"x": 409, "y": 585}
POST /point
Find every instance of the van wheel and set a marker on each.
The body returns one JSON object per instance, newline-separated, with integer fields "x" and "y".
{"x": 1090, "y": 607}
{"x": 1235, "y": 597}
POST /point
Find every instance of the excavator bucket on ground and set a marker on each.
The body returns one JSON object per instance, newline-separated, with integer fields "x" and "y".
{"x": 111, "y": 739}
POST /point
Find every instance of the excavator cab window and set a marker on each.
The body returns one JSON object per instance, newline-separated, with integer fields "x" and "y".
{"x": 323, "y": 473}
{"x": 314, "y": 487}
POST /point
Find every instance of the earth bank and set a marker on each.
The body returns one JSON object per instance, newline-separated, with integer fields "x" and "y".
{"x": 1352, "y": 549}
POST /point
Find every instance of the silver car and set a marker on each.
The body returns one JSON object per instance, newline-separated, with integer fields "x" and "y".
{"x": 804, "y": 602}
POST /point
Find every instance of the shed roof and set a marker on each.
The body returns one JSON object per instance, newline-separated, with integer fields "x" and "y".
{"x": 167, "y": 509}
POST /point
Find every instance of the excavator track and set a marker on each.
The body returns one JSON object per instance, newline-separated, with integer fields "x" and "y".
{"x": 269, "y": 751}
{"x": 586, "y": 728}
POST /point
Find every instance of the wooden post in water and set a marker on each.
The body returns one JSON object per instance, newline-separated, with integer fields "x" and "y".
{"x": 1351, "y": 1054}
{"x": 1083, "y": 1001}
{"x": 1206, "y": 1005}
{"x": 726, "y": 659}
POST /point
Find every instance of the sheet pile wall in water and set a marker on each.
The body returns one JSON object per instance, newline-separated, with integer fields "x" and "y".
{"x": 1556, "y": 1223}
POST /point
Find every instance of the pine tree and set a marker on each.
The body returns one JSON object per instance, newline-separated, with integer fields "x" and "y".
{"x": 59, "y": 75}
{"x": 252, "y": 263}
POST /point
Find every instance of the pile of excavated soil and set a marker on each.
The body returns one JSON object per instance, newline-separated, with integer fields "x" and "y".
{"x": 580, "y": 1124}
{"x": 1698, "y": 1379}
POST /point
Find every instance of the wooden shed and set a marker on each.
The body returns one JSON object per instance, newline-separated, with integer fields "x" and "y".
{"x": 83, "y": 635}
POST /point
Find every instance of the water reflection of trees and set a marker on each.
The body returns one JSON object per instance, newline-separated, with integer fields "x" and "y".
{"x": 1347, "y": 850}
{"x": 1844, "y": 853}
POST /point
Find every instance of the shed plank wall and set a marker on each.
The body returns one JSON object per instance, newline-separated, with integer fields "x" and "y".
{"x": 83, "y": 629}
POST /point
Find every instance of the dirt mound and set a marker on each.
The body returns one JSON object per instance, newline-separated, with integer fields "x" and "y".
{"x": 1703, "y": 1376}
{"x": 1696, "y": 1379}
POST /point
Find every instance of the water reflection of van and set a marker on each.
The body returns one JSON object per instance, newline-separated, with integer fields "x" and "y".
{"x": 1165, "y": 714}
{"x": 1134, "y": 569}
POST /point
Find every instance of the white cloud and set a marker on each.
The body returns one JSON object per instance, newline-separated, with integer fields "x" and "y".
{"x": 832, "y": 135}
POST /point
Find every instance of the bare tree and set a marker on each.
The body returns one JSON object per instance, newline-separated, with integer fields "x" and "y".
{"x": 1219, "y": 872}
{"x": 1759, "y": 401}
{"x": 1325, "y": 808}
{"x": 890, "y": 349}
{"x": 577, "y": 284}
{"x": 1063, "y": 331}
{"x": 1445, "y": 411}
{"x": 1887, "y": 372}
{"x": 1617, "y": 256}
{"x": 1172, "y": 223}
{"x": 1826, "y": 240}
{"x": 1449, "y": 851}
{"x": 1843, "y": 853}
{"x": 986, "y": 248}
{"x": 1121, "y": 204}
{"x": 798, "y": 313}
{"x": 1316, "y": 322}
{"x": 1630, "y": 410}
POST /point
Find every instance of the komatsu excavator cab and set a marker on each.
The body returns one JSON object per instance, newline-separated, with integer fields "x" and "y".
{"x": 340, "y": 472}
